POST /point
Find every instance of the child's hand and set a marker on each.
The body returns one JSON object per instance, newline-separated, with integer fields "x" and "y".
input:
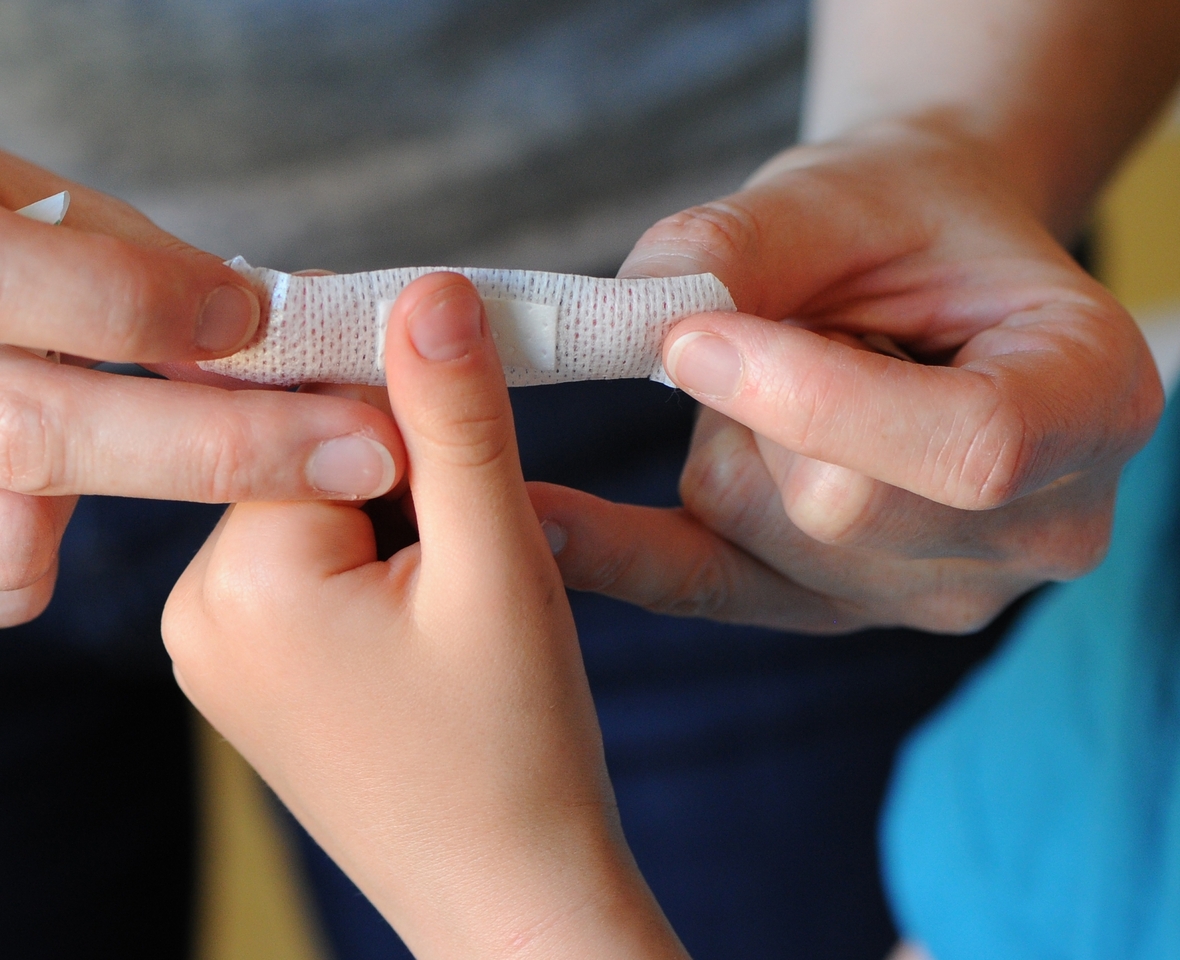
{"x": 426, "y": 718}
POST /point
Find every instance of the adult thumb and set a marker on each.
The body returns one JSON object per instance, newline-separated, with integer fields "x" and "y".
{"x": 447, "y": 392}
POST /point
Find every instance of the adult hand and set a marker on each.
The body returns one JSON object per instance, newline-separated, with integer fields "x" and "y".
{"x": 427, "y": 718}
{"x": 109, "y": 285}
{"x": 831, "y": 487}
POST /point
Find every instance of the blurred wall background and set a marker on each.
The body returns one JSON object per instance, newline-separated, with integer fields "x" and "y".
{"x": 1138, "y": 240}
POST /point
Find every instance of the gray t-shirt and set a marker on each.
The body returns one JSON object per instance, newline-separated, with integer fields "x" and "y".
{"x": 354, "y": 134}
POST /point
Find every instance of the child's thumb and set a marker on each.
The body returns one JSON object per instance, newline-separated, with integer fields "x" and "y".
{"x": 446, "y": 387}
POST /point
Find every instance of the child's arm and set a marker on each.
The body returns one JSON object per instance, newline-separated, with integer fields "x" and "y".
{"x": 427, "y": 718}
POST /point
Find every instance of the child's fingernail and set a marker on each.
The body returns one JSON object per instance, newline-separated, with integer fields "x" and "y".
{"x": 351, "y": 468}
{"x": 228, "y": 319}
{"x": 444, "y": 326}
{"x": 556, "y": 535}
{"x": 705, "y": 363}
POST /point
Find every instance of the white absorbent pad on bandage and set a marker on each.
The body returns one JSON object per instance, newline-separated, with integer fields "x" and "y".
{"x": 548, "y": 327}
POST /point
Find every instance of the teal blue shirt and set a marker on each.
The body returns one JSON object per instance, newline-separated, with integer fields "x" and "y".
{"x": 1037, "y": 815}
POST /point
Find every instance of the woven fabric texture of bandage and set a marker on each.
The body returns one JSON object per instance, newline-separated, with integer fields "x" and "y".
{"x": 549, "y": 327}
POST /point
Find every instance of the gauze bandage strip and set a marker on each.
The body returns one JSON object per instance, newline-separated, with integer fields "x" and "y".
{"x": 548, "y": 327}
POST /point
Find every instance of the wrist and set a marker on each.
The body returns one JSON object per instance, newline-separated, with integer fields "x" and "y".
{"x": 608, "y": 913}
{"x": 576, "y": 896}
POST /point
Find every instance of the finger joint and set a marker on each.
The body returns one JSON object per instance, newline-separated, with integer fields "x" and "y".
{"x": 32, "y": 450}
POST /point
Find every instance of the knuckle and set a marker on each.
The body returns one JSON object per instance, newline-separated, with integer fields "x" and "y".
{"x": 129, "y": 303}
{"x": 127, "y": 316}
{"x": 720, "y": 232}
{"x": 958, "y": 612}
{"x": 717, "y": 504}
{"x": 208, "y": 606}
{"x": 811, "y": 402}
{"x": 1071, "y": 547}
{"x": 998, "y": 461}
{"x": 704, "y": 588}
{"x": 250, "y": 593}
{"x": 726, "y": 489}
{"x": 232, "y": 600}
{"x": 833, "y": 528}
{"x": 466, "y": 434}
{"x": 831, "y": 505}
{"x": 114, "y": 296}
{"x": 222, "y": 461}
{"x": 606, "y": 572}
{"x": 1087, "y": 550}
{"x": 31, "y": 444}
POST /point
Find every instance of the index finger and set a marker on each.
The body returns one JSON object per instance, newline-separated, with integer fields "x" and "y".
{"x": 1052, "y": 392}
{"x": 100, "y": 296}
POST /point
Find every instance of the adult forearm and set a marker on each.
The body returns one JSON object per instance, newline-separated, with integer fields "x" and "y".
{"x": 1057, "y": 88}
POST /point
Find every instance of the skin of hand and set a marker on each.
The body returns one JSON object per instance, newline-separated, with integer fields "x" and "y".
{"x": 830, "y": 487}
{"x": 427, "y": 718}
{"x": 108, "y": 285}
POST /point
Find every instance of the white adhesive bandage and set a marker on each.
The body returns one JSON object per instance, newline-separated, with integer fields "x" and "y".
{"x": 549, "y": 327}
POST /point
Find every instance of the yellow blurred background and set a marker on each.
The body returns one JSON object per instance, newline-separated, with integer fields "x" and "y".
{"x": 1138, "y": 226}
{"x": 254, "y": 904}
{"x": 1138, "y": 241}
